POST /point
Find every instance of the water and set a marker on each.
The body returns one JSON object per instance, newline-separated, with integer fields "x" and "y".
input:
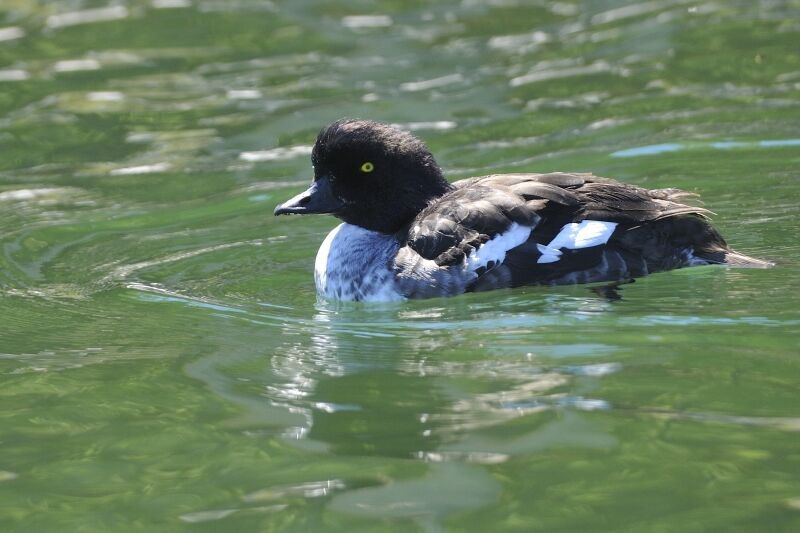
{"x": 165, "y": 363}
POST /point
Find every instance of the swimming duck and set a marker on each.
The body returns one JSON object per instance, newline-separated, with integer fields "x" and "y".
{"x": 408, "y": 233}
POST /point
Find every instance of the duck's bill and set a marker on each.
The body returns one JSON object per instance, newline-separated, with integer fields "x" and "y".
{"x": 318, "y": 198}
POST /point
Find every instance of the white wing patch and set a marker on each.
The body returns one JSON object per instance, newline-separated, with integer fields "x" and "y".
{"x": 549, "y": 255}
{"x": 575, "y": 236}
{"x": 494, "y": 250}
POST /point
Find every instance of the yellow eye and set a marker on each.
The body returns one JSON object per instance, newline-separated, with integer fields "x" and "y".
{"x": 367, "y": 167}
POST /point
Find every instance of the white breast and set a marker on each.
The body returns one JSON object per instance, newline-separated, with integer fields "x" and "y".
{"x": 353, "y": 264}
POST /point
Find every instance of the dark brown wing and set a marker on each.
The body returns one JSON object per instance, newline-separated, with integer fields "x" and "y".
{"x": 653, "y": 226}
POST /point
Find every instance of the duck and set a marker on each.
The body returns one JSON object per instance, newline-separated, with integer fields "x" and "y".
{"x": 407, "y": 232}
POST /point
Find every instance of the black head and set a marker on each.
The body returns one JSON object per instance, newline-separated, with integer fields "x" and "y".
{"x": 369, "y": 174}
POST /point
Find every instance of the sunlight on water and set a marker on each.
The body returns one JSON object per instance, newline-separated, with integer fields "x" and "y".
{"x": 723, "y": 145}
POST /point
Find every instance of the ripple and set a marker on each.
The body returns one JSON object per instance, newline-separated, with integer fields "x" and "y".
{"x": 308, "y": 489}
{"x": 648, "y": 150}
{"x": 629, "y": 11}
{"x": 86, "y": 16}
{"x": 367, "y": 21}
{"x": 276, "y": 154}
{"x": 171, "y": 4}
{"x": 437, "y": 125}
{"x": 537, "y": 76}
{"x": 435, "y": 83}
{"x": 654, "y": 149}
{"x": 218, "y": 514}
{"x": 11, "y": 33}
{"x": 790, "y": 424}
{"x": 236, "y": 6}
{"x": 244, "y": 94}
{"x": 521, "y": 43}
{"x": 76, "y": 65}
{"x": 141, "y": 169}
{"x": 122, "y": 272}
{"x": 31, "y": 194}
{"x": 447, "y": 488}
{"x": 105, "y": 96}
{"x": 14, "y": 74}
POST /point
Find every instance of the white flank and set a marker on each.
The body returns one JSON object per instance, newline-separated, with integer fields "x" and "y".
{"x": 575, "y": 236}
{"x": 496, "y": 248}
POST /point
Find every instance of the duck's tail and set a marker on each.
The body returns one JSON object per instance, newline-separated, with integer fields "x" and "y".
{"x": 705, "y": 241}
{"x": 734, "y": 258}
{"x": 726, "y": 256}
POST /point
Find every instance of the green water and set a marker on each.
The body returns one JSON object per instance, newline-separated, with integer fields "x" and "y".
{"x": 164, "y": 362}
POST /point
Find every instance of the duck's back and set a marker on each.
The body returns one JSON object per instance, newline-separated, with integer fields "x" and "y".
{"x": 520, "y": 229}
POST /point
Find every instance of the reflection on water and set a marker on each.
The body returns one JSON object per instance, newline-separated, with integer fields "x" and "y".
{"x": 723, "y": 145}
{"x": 446, "y": 489}
{"x": 166, "y": 361}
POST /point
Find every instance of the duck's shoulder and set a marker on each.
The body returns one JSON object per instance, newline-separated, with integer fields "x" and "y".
{"x": 464, "y": 218}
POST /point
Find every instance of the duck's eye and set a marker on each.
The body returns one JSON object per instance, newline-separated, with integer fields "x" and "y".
{"x": 367, "y": 167}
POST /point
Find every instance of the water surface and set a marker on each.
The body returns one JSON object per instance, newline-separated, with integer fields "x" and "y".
{"x": 165, "y": 364}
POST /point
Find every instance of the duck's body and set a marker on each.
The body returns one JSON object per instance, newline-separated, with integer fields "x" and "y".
{"x": 409, "y": 234}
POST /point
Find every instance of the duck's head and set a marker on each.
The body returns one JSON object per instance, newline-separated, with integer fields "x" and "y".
{"x": 369, "y": 174}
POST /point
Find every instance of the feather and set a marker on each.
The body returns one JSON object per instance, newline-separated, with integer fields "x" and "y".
{"x": 535, "y": 189}
{"x": 585, "y": 228}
